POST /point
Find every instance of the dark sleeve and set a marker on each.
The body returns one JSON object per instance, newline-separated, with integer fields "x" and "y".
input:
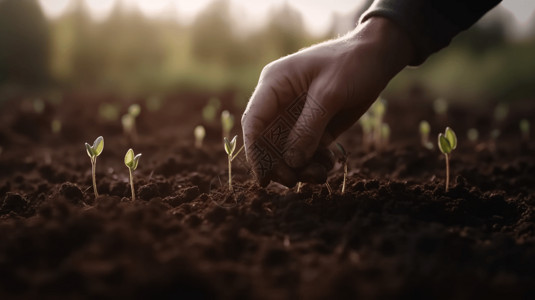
{"x": 431, "y": 24}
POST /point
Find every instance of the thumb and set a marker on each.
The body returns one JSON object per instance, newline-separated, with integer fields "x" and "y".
{"x": 308, "y": 132}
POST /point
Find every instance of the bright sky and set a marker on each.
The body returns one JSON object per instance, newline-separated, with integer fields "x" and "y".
{"x": 316, "y": 14}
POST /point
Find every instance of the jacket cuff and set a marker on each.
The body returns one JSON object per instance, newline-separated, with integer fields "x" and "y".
{"x": 430, "y": 24}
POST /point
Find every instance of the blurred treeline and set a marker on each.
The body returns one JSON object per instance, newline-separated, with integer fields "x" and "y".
{"x": 130, "y": 54}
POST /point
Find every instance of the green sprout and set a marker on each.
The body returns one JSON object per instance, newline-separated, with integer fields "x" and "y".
{"x": 343, "y": 160}
{"x": 440, "y": 106}
{"x": 494, "y": 135}
{"x": 93, "y": 152}
{"x": 473, "y": 135}
{"x": 199, "y": 132}
{"x": 385, "y": 134}
{"x": 447, "y": 142}
{"x": 55, "y": 126}
{"x": 129, "y": 121}
{"x": 377, "y": 111}
{"x": 230, "y": 147}
{"x": 524, "y": 129}
{"x": 227, "y": 122}
{"x": 209, "y": 111}
{"x": 131, "y": 162}
{"x": 299, "y": 186}
{"x": 425, "y": 130}
{"x": 500, "y": 112}
{"x": 367, "y": 126}
{"x": 109, "y": 111}
{"x": 38, "y": 105}
{"x": 134, "y": 110}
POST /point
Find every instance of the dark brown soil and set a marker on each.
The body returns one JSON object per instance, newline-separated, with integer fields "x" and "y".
{"x": 395, "y": 233}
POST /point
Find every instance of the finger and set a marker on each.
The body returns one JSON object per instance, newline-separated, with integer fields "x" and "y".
{"x": 307, "y": 132}
{"x": 262, "y": 109}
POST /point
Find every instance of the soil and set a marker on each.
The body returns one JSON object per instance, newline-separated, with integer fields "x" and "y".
{"x": 395, "y": 233}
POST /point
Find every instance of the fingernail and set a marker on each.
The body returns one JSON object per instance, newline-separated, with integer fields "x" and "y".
{"x": 294, "y": 158}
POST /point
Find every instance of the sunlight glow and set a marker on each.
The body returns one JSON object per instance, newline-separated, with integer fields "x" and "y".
{"x": 54, "y": 8}
{"x": 317, "y": 15}
{"x": 100, "y": 9}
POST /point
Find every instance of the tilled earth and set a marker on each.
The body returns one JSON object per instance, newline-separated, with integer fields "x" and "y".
{"x": 395, "y": 233}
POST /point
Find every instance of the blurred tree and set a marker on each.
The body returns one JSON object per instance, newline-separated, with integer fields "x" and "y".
{"x": 23, "y": 42}
{"x": 212, "y": 36}
{"x": 286, "y": 30}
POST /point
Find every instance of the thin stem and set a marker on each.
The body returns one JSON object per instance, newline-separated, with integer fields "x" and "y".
{"x": 132, "y": 184}
{"x": 299, "y": 185}
{"x": 93, "y": 171}
{"x": 230, "y": 173}
{"x": 239, "y": 150}
{"x": 329, "y": 188}
{"x": 345, "y": 178}
{"x": 447, "y": 172}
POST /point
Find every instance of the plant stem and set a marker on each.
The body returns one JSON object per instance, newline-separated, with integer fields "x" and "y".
{"x": 237, "y": 152}
{"x": 345, "y": 178}
{"x": 132, "y": 184}
{"x": 93, "y": 171}
{"x": 230, "y": 173}
{"x": 447, "y": 171}
{"x": 299, "y": 185}
{"x": 328, "y": 188}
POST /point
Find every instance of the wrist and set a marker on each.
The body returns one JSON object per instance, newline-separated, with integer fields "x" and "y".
{"x": 390, "y": 42}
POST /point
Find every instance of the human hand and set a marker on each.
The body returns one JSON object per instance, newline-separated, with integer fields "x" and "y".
{"x": 304, "y": 101}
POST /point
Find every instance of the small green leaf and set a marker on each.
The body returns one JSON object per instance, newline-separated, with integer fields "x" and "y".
{"x": 452, "y": 138}
{"x": 136, "y": 161}
{"x": 134, "y": 110}
{"x": 230, "y": 146}
{"x": 524, "y": 125}
{"x": 227, "y": 121}
{"x": 444, "y": 144}
{"x": 89, "y": 150}
{"x": 98, "y": 146}
{"x": 425, "y": 128}
{"x": 129, "y": 158}
{"x": 341, "y": 148}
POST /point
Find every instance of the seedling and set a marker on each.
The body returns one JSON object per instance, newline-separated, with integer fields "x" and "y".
{"x": 329, "y": 189}
{"x": 129, "y": 121}
{"x": 299, "y": 186}
{"x": 500, "y": 112}
{"x": 55, "y": 126}
{"x": 343, "y": 161}
{"x": 367, "y": 126}
{"x": 210, "y": 110}
{"x": 425, "y": 129}
{"x": 447, "y": 142}
{"x": 524, "y": 129}
{"x": 378, "y": 110}
{"x": 227, "y": 122}
{"x": 199, "y": 132}
{"x": 473, "y": 135}
{"x": 230, "y": 147}
{"x": 38, "y": 105}
{"x": 93, "y": 152}
{"x": 440, "y": 106}
{"x": 131, "y": 162}
{"x": 109, "y": 112}
{"x": 385, "y": 134}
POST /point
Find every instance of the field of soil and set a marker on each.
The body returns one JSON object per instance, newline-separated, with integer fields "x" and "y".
{"x": 395, "y": 233}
